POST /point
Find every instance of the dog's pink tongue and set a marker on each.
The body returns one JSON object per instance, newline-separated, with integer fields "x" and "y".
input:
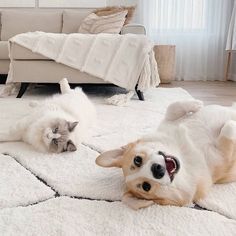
{"x": 170, "y": 165}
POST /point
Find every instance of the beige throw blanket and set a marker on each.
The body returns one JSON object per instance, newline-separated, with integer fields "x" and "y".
{"x": 124, "y": 60}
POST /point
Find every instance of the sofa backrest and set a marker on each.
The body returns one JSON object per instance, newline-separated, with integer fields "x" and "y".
{"x": 13, "y": 22}
{"x": 16, "y": 22}
{"x": 72, "y": 19}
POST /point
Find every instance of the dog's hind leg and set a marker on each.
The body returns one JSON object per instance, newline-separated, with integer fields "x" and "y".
{"x": 180, "y": 109}
{"x": 64, "y": 86}
{"x": 227, "y": 146}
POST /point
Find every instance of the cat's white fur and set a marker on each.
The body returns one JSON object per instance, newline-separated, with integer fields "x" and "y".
{"x": 71, "y": 106}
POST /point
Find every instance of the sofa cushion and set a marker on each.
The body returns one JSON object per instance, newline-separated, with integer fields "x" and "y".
{"x": 106, "y": 11}
{"x": 4, "y": 50}
{"x": 15, "y": 22}
{"x": 94, "y": 24}
{"x": 21, "y": 53}
{"x": 72, "y": 19}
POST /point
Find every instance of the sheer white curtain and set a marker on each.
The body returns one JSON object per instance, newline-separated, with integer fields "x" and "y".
{"x": 231, "y": 42}
{"x": 198, "y": 28}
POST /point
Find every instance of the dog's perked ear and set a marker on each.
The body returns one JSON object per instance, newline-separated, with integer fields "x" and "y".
{"x": 111, "y": 158}
{"x": 135, "y": 203}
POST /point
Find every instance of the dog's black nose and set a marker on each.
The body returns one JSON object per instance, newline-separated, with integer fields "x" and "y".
{"x": 158, "y": 171}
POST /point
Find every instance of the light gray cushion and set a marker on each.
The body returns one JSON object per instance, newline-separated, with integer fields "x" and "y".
{"x": 72, "y": 19}
{"x": 16, "y": 22}
{"x": 4, "y": 50}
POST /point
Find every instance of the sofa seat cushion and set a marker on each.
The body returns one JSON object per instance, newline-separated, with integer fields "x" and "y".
{"x": 4, "y": 55}
{"x": 16, "y": 22}
{"x": 21, "y": 53}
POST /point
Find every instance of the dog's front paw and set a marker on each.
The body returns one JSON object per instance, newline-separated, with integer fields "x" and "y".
{"x": 135, "y": 203}
{"x": 194, "y": 106}
{"x": 229, "y": 130}
{"x": 180, "y": 109}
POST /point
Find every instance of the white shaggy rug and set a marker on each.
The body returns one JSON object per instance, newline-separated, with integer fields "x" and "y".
{"x": 14, "y": 179}
{"x": 67, "y": 216}
{"x": 30, "y": 177}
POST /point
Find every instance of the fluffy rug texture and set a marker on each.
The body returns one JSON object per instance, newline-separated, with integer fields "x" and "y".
{"x": 18, "y": 186}
{"x": 28, "y": 177}
{"x": 66, "y": 216}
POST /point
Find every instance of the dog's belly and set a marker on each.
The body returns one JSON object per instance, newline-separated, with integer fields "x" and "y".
{"x": 203, "y": 130}
{"x": 214, "y": 117}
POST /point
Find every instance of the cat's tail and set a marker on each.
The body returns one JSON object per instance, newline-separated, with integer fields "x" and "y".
{"x": 64, "y": 86}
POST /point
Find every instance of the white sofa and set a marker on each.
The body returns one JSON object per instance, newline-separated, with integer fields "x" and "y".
{"x": 29, "y": 67}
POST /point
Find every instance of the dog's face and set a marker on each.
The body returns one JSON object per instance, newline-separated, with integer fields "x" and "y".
{"x": 147, "y": 167}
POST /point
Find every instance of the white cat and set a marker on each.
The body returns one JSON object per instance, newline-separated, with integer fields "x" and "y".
{"x": 57, "y": 124}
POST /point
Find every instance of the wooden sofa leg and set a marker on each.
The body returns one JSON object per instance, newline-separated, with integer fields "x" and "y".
{"x": 139, "y": 93}
{"x": 22, "y": 90}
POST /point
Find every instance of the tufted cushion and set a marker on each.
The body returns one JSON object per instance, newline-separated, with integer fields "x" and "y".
{"x": 94, "y": 24}
{"x": 16, "y": 22}
{"x": 112, "y": 10}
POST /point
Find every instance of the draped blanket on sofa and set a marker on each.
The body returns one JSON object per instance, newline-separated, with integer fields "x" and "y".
{"x": 124, "y": 60}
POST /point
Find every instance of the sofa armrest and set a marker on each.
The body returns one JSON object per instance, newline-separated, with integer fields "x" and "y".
{"x": 133, "y": 29}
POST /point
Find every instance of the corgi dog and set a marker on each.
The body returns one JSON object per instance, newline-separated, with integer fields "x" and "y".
{"x": 193, "y": 148}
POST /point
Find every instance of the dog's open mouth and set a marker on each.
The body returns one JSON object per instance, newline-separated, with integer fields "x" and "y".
{"x": 172, "y": 166}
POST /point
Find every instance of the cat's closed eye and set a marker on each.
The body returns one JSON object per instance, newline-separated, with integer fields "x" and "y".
{"x": 55, "y": 130}
{"x": 55, "y": 141}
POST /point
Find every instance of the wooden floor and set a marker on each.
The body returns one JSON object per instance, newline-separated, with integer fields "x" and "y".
{"x": 222, "y": 93}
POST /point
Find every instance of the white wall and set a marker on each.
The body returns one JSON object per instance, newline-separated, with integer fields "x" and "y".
{"x": 35, "y": 3}
{"x": 121, "y": 2}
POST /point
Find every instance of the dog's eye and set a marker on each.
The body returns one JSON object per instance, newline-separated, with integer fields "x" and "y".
{"x": 146, "y": 186}
{"x": 161, "y": 153}
{"x": 55, "y": 141}
{"x": 138, "y": 161}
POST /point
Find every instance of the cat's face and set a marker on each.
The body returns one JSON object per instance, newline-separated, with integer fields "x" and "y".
{"x": 57, "y": 136}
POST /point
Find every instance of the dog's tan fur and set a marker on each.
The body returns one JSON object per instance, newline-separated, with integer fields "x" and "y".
{"x": 205, "y": 162}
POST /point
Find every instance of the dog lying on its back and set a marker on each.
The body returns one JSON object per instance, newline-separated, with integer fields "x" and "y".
{"x": 193, "y": 148}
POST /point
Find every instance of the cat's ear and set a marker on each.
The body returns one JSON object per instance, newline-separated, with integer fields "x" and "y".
{"x": 72, "y": 125}
{"x": 70, "y": 146}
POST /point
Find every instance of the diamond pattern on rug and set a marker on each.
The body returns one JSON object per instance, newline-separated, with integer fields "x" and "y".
{"x": 66, "y": 216}
{"x": 76, "y": 174}
{"x": 19, "y": 187}
{"x": 222, "y": 199}
{"x": 71, "y": 174}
